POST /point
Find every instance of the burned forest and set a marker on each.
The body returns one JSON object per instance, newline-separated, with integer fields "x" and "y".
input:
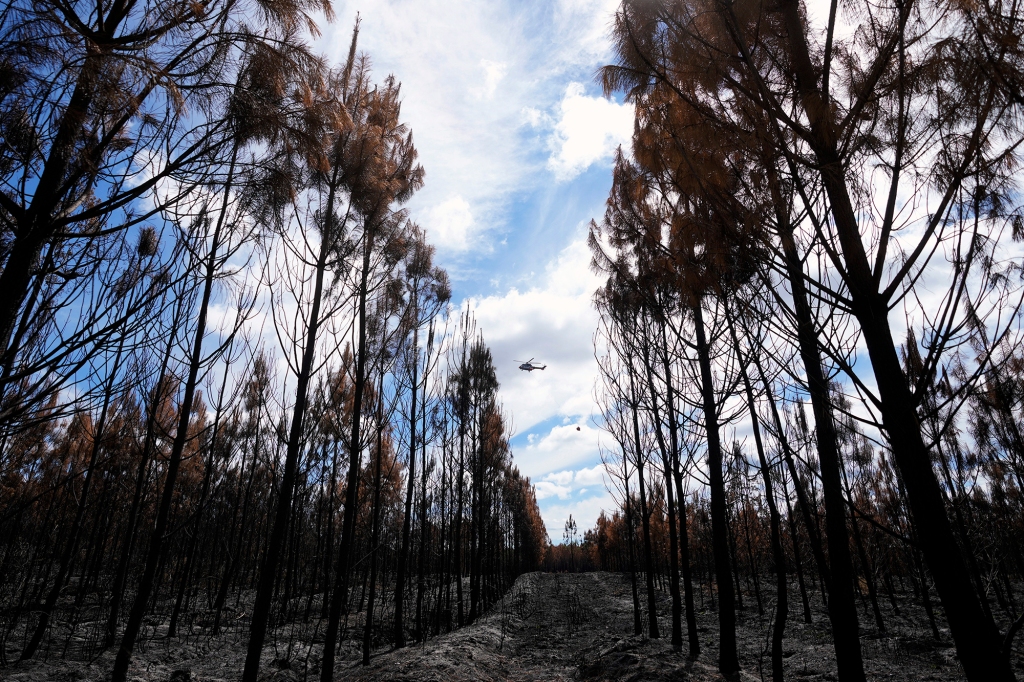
{"x": 251, "y": 427}
{"x": 236, "y": 400}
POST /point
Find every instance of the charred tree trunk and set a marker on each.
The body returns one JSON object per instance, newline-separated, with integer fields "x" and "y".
{"x": 839, "y": 576}
{"x": 778, "y": 554}
{"x": 71, "y": 547}
{"x": 666, "y": 459}
{"x": 645, "y": 519}
{"x": 638, "y": 628}
{"x": 121, "y": 576}
{"x": 156, "y": 544}
{"x": 677, "y": 478}
{"x": 794, "y": 537}
{"x": 375, "y": 525}
{"x": 282, "y": 515}
{"x": 193, "y": 544}
{"x": 728, "y": 659}
{"x": 461, "y": 503}
{"x": 339, "y": 599}
{"x": 424, "y": 539}
{"x": 403, "y": 552}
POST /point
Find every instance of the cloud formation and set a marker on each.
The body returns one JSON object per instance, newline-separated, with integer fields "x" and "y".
{"x": 450, "y": 225}
{"x": 560, "y": 448}
{"x": 483, "y": 89}
{"x": 553, "y": 322}
{"x": 585, "y": 512}
{"x": 494, "y": 72}
{"x": 565, "y": 483}
{"x": 588, "y": 131}
{"x": 580, "y": 492}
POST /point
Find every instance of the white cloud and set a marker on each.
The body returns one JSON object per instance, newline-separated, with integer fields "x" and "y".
{"x": 588, "y": 131}
{"x": 563, "y": 447}
{"x": 535, "y": 118}
{"x": 553, "y": 322}
{"x": 494, "y": 72}
{"x": 469, "y": 71}
{"x": 573, "y": 480}
{"x": 581, "y": 493}
{"x": 546, "y": 489}
{"x": 584, "y": 512}
{"x": 591, "y": 22}
{"x": 561, "y": 477}
{"x": 450, "y": 225}
{"x": 592, "y": 476}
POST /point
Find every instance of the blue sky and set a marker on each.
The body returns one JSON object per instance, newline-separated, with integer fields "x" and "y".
{"x": 517, "y": 143}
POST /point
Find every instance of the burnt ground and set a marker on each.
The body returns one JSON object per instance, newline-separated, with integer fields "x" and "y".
{"x": 580, "y": 627}
{"x": 549, "y": 627}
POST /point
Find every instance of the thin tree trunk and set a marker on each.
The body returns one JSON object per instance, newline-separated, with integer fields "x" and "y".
{"x": 121, "y": 576}
{"x": 728, "y": 659}
{"x": 156, "y": 545}
{"x": 459, "y": 511}
{"x": 677, "y": 625}
{"x": 645, "y": 519}
{"x": 677, "y": 478}
{"x": 424, "y": 539}
{"x": 778, "y": 555}
{"x": 76, "y": 527}
{"x": 234, "y": 552}
{"x": 476, "y": 523}
{"x": 796, "y": 552}
{"x": 339, "y": 599}
{"x": 375, "y": 528}
{"x": 424, "y": 528}
{"x": 403, "y": 552}
{"x": 279, "y": 530}
{"x": 638, "y": 628}
{"x": 839, "y": 577}
{"x": 194, "y": 540}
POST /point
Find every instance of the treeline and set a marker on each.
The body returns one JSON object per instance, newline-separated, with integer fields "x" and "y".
{"x": 810, "y": 328}
{"x": 233, "y": 398}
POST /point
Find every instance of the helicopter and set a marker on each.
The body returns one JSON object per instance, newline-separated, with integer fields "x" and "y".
{"x": 529, "y": 366}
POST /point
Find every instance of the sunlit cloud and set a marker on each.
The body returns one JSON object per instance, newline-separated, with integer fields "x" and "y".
{"x": 588, "y": 131}
{"x": 450, "y": 225}
{"x": 494, "y": 72}
{"x": 553, "y": 322}
{"x": 581, "y": 493}
{"x": 584, "y": 512}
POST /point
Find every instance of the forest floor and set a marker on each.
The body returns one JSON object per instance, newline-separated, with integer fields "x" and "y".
{"x": 551, "y": 627}
{"x": 580, "y": 627}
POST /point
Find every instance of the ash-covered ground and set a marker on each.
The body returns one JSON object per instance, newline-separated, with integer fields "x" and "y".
{"x": 550, "y": 627}
{"x": 580, "y": 627}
